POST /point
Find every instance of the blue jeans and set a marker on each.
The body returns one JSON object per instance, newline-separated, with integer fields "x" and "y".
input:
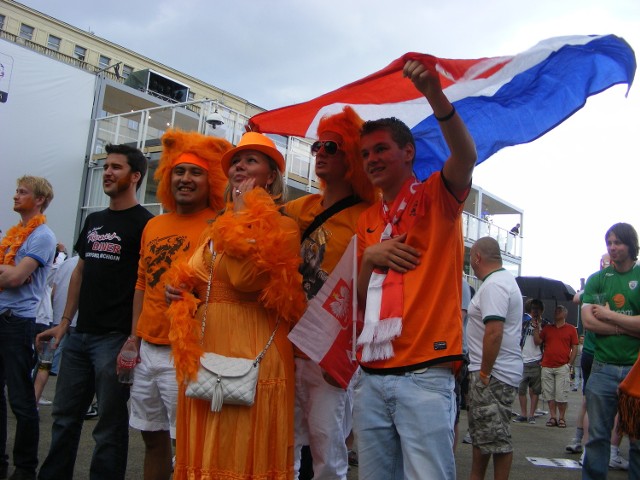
{"x": 16, "y": 362}
{"x": 404, "y": 425}
{"x": 4, "y": 458}
{"x": 602, "y": 406}
{"x": 88, "y": 366}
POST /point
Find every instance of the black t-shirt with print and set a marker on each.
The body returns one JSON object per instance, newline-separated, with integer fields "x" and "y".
{"x": 109, "y": 244}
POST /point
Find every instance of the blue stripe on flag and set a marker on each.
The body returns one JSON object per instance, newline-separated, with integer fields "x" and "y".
{"x": 533, "y": 102}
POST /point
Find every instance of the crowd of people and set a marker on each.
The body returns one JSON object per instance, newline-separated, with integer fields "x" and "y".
{"x": 231, "y": 268}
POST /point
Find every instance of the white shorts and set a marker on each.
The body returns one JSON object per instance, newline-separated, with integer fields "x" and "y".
{"x": 154, "y": 393}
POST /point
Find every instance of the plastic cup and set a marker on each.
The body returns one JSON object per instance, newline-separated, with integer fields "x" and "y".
{"x": 126, "y": 363}
{"x": 599, "y": 298}
{"x": 45, "y": 354}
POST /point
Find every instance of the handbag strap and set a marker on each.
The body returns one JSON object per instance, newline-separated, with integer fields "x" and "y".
{"x": 325, "y": 215}
{"x": 264, "y": 350}
{"x": 214, "y": 254}
{"x": 206, "y": 302}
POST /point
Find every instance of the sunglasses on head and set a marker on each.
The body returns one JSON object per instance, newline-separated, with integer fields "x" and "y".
{"x": 330, "y": 147}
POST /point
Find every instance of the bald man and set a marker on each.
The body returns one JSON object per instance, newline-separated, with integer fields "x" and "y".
{"x": 495, "y": 359}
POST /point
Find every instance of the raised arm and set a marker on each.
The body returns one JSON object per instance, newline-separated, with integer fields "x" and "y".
{"x": 458, "y": 168}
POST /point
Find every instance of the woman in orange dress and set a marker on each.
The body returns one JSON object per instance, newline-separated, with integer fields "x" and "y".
{"x": 255, "y": 281}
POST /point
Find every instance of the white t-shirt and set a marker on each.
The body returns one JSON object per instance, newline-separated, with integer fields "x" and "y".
{"x": 530, "y": 351}
{"x": 466, "y": 298}
{"x": 61, "y": 284}
{"x": 497, "y": 299}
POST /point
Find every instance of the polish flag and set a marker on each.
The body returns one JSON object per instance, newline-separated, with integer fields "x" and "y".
{"x": 503, "y": 100}
{"x": 326, "y": 332}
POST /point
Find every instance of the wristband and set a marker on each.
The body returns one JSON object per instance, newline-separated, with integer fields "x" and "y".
{"x": 483, "y": 375}
{"x": 447, "y": 116}
{"x": 66, "y": 318}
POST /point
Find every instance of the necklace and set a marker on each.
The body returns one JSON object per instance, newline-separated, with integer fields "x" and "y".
{"x": 15, "y": 237}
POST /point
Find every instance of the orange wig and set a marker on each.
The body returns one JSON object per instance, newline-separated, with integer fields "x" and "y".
{"x": 347, "y": 124}
{"x": 209, "y": 149}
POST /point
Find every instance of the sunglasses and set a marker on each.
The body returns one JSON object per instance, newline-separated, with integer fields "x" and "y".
{"x": 330, "y": 147}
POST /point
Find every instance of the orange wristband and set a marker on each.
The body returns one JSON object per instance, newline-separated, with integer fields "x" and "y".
{"x": 483, "y": 375}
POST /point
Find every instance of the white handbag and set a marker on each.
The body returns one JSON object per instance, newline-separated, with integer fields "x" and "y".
{"x": 221, "y": 379}
{"x": 225, "y": 380}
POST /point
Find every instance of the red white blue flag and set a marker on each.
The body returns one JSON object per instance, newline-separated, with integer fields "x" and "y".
{"x": 503, "y": 100}
{"x": 327, "y": 330}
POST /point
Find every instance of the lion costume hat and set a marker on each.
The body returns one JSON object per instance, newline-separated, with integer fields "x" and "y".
{"x": 209, "y": 152}
{"x": 347, "y": 124}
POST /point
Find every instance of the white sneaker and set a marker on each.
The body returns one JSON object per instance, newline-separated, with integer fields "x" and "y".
{"x": 466, "y": 438}
{"x": 574, "y": 446}
{"x": 618, "y": 463}
{"x": 43, "y": 401}
{"x": 581, "y": 461}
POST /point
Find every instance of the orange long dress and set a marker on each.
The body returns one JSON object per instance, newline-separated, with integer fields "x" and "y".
{"x": 240, "y": 442}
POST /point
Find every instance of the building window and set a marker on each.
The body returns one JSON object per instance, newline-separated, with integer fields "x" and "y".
{"x": 191, "y": 96}
{"x": 26, "y": 32}
{"x": 104, "y": 61}
{"x": 54, "y": 43}
{"x": 126, "y": 71}
{"x": 2, "y": 17}
{"x": 80, "y": 53}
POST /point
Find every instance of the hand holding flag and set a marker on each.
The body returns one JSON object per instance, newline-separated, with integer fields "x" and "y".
{"x": 326, "y": 332}
{"x": 504, "y": 100}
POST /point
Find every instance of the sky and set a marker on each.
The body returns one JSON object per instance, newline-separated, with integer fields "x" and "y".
{"x": 573, "y": 183}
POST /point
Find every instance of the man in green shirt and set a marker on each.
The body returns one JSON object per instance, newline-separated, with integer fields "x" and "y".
{"x": 611, "y": 309}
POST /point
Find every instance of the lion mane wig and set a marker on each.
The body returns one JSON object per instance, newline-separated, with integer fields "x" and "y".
{"x": 348, "y": 124}
{"x": 210, "y": 149}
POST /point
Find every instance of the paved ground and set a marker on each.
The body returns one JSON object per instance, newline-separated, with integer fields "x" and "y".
{"x": 529, "y": 441}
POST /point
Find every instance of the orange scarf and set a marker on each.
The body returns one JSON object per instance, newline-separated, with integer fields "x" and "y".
{"x": 16, "y": 236}
{"x": 385, "y": 294}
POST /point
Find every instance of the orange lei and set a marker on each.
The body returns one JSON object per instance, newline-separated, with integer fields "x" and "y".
{"x": 16, "y": 236}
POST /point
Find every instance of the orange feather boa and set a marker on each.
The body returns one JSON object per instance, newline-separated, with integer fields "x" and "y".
{"x": 253, "y": 233}
{"x": 16, "y": 236}
{"x": 184, "y": 333}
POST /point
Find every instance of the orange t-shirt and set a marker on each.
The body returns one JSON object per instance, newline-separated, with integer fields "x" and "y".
{"x": 332, "y": 237}
{"x": 324, "y": 247}
{"x": 166, "y": 239}
{"x": 431, "y": 319}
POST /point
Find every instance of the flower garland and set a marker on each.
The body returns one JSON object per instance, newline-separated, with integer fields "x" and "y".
{"x": 16, "y": 236}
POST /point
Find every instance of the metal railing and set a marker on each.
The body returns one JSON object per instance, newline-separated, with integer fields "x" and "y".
{"x": 36, "y": 47}
{"x": 474, "y": 228}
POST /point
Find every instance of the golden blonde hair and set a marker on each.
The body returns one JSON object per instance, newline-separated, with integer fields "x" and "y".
{"x": 40, "y": 187}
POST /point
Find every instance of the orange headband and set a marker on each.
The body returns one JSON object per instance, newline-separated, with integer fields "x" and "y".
{"x": 191, "y": 158}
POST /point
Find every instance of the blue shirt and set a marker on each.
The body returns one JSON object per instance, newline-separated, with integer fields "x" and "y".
{"x": 23, "y": 300}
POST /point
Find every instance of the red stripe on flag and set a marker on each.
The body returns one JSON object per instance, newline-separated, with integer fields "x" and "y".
{"x": 381, "y": 87}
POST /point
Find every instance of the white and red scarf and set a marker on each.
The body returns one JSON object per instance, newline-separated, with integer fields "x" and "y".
{"x": 385, "y": 294}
